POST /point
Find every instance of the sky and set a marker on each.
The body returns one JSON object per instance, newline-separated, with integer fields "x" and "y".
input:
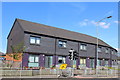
{"x": 80, "y": 17}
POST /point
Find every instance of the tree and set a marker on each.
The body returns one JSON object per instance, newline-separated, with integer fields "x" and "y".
{"x": 19, "y": 48}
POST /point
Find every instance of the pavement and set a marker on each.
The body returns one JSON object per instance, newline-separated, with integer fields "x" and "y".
{"x": 60, "y": 79}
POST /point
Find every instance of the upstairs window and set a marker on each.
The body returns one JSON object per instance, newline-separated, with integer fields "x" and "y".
{"x": 106, "y": 50}
{"x": 112, "y": 52}
{"x": 34, "y": 40}
{"x": 62, "y": 44}
{"x": 83, "y": 47}
{"x": 99, "y": 49}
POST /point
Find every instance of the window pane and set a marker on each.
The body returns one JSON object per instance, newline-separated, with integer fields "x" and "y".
{"x": 37, "y": 40}
{"x": 59, "y": 58}
{"x": 33, "y": 64}
{"x": 107, "y": 51}
{"x": 36, "y": 59}
{"x": 84, "y": 61}
{"x": 60, "y": 44}
{"x": 84, "y": 47}
{"x": 63, "y": 59}
{"x": 31, "y": 58}
{"x": 64, "y": 44}
{"x": 32, "y": 40}
{"x": 80, "y": 61}
{"x": 81, "y": 46}
{"x": 50, "y": 61}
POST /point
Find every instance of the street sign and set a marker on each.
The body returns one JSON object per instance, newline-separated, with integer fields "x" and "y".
{"x": 63, "y": 66}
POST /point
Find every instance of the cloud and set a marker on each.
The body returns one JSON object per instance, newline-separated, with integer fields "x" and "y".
{"x": 104, "y": 25}
{"x": 87, "y": 22}
{"x": 116, "y": 22}
{"x": 84, "y": 22}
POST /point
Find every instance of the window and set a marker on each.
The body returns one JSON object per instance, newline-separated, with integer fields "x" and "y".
{"x": 106, "y": 62}
{"x": 33, "y": 61}
{"x": 62, "y": 44}
{"x": 33, "y": 58}
{"x": 83, "y": 61}
{"x": 107, "y": 50}
{"x": 114, "y": 62}
{"x": 34, "y": 40}
{"x": 99, "y": 49}
{"x": 112, "y": 52}
{"x": 99, "y": 62}
{"x": 83, "y": 47}
{"x": 37, "y": 40}
{"x": 61, "y": 59}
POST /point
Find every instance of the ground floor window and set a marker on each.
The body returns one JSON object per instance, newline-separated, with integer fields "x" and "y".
{"x": 48, "y": 61}
{"x": 114, "y": 62}
{"x": 92, "y": 63}
{"x": 99, "y": 62}
{"x": 82, "y": 61}
{"x": 33, "y": 60}
{"x": 106, "y": 62}
{"x": 61, "y": 60}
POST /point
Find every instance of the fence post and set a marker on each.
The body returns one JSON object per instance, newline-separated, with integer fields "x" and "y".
{"x": 40, "y": 72}
{"x": 85, "y": 72}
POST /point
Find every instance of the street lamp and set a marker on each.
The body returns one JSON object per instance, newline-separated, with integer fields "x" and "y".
{"x": 97, "y": 39}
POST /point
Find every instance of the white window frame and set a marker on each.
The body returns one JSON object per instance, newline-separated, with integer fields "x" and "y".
{"x": 37, "y": 40}
{"x": 32, "y": 40}
{"x": 63, "y": 58}
{"x": 35, "y": 59}
{"x": 83, "y": 46}
{"x": 82, "y": 61}
{"x": 62, "y": 44}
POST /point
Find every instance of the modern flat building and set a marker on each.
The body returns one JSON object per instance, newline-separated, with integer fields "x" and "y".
{"x": 46, "y": 45}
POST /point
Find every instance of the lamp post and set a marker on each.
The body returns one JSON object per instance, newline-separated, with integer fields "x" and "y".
{"x": 97, "y": 40}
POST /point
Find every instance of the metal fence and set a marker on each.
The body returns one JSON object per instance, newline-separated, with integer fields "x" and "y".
{"x": 48, "y": 73}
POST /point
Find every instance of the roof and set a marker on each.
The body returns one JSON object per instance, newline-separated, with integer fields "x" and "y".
{"x": 57, "y": 32}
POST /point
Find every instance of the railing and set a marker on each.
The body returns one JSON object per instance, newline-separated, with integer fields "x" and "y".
{"x": 12, "y": 72}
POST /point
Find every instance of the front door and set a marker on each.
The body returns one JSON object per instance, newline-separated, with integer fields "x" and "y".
{"x": 48, "y": 61}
